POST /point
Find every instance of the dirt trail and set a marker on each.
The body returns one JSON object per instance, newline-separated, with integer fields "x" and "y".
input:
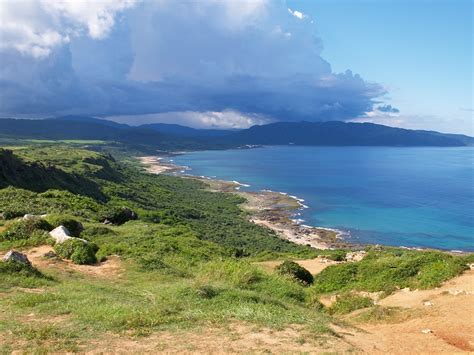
{"x": 434, "y": 321}
{"x": 112, "y": 267}
{"x": 314, "y": 266}
{"x": 237, "y": 337}
{"x": 445, "y": 314}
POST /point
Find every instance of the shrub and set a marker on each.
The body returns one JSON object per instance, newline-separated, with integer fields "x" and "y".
{"x": 296, "y": 271}
{"x": 73, "y": 226}
{"x": 314, "y": 303}
{"x": 348, "y": 302}
{"x": 154, "y": 263}
{"x": 84, "y": 255}
{"x": 207, "y": 291}
{"x": 24, "y": 229}
{"x": 12, "y": 212}
{"x": 118, "y": 215}
{"x": 77, "y": 251}
{"x": 97, "y": 231}
{"x": 337, "y": 255}
{"x": 19, "y": 269}
{"x": 151, "y": 263}
{"x": 389, "y": 269}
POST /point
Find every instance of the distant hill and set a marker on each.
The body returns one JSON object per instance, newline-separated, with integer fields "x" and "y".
{"x": 88, "y": 128}
{"x": 335, "y": 133}
{"x": 88, "y": 119}
{"x": 175, "y": 137}
{"x": 183, "y": 131}
{"x": 40, "y": 177}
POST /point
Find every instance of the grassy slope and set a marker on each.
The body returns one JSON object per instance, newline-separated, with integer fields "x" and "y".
{"x": 178, "y": 264}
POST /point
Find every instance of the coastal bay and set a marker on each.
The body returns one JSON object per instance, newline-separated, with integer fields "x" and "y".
{"x": 273, "y": 210}
{"x": 412, "y": 197}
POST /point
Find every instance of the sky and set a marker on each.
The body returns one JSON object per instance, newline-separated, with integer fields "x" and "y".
{"x": 421, "y": 51}
{"x": 235, "y": 63}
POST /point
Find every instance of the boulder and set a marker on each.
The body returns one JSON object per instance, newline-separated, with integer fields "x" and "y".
{"x": 356, "y": 255}
{"x": 28, "y": 217}
{"x": 60, "y": 234}
{"x": 17, "y": 257}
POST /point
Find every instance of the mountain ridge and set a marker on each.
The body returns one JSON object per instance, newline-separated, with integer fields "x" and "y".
{"x": 171, "y": 137}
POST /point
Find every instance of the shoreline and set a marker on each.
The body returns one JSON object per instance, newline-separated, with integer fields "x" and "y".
{"x": 270, "y": 209}
{"x": 274, "y": 210}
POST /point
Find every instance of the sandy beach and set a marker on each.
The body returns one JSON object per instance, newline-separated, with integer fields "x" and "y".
{"x": 157, "y": 165}
{"x": 270, "y": 209}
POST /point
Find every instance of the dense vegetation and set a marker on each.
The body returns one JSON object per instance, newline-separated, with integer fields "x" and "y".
{"x": 184, "y": 256}
{"x": 161, "y": 200}
{"x": 390, "y": 269}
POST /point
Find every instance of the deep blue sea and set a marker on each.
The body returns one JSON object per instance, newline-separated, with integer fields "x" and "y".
{"x": 414, "y": 197}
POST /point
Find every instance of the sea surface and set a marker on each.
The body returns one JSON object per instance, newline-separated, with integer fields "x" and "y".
{"x": 413, "y": 197}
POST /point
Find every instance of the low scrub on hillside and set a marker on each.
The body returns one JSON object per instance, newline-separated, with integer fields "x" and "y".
{"x": 349, "y": 302}
{"x": 295, "y": 271}
{"x": 184, "y": 259}
{"x": 16, "y": 274}
{"x": 390, "y": 269}
{"x": 77, "y": 251}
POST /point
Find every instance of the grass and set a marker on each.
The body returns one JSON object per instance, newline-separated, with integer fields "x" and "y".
{"x": 348, "y": 302}
{"x": 13, "y": 274}
{"x": 380, "y": 314}
{"x": 390, "y": 269}
{"x": 185, "y": 263}
{"x": 66, "y": 141}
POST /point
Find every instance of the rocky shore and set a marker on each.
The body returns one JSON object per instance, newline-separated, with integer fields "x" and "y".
{"x": 274, "y": 210}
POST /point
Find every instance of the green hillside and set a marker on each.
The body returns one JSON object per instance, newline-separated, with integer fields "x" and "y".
{"x": 172, "y": 256}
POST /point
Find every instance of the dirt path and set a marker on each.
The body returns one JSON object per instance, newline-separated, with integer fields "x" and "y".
{"x": 237, "y": 337}
{"x": 441, "y": 321}
{"x": 314, "y": 266}
{"x": 112, "y": 267}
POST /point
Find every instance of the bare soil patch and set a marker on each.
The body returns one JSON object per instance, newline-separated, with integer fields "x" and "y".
{"x": 111, "y": 268}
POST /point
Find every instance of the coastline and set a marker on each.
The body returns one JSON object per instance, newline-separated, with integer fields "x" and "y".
{"x": 270, "y": 209}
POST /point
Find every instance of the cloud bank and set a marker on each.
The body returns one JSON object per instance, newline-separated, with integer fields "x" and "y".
{"x": 237, "y": 62}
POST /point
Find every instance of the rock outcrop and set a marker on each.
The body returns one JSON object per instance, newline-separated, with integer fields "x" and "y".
{"x": 17, "y": 257}
{"x": 61, "y": 234}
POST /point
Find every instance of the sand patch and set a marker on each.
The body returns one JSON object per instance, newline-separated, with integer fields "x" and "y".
{"x": 442, "y": 321}
{"x": 314, "y": 266}
{"x": 112, "y": 267}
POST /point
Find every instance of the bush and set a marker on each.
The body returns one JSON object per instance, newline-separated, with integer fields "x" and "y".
{"x": 337, "y": 255}
{"x": 290, "y": 268}
{"x": 73, "y": 226}
{"x": 207, "y": 291}
{"x": 97, "y": 231}
{"x": 24, "y": 229}
{"x": 118, "y": 215}
{"x": 348, "y": 303}
{"x": 77, "y": 251}
{"x": 17, "y": 268}
{"x": 389, "y": 269}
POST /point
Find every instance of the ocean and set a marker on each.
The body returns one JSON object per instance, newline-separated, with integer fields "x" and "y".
{"x": 413, "y": 197}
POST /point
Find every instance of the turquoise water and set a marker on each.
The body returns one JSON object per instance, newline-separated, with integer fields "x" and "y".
{"x": 414, "y": 197}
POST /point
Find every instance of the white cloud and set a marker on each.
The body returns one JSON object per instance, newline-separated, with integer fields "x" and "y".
{"x": 166, "y": 56}
{"x": 97, "y": 16}
{"x": 457, "y": 123}
{"x": 36, "y": 27}
{"x": 227, "y": 119}
{"x": 297, "y": 14}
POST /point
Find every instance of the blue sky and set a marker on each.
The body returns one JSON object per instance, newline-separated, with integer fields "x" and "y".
{"x": 420, "y": 50}
{"x": 232, "y": 64}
